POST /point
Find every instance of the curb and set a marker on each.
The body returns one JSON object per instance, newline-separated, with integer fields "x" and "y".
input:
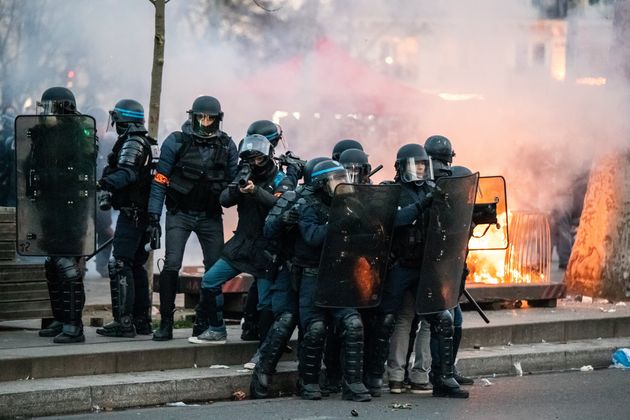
{"x": 115, "y": 391}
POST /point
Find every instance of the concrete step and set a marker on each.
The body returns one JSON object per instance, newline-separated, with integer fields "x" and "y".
{"x": 24, "y": 354}
{"x": 50, "y": 396}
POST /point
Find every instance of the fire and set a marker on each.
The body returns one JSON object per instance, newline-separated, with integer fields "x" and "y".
{"x": 527, "y": 258}
{"x": 364, "y": 276}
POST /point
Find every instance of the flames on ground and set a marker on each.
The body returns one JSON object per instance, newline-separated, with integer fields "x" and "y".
{"x": 526, "y": 260}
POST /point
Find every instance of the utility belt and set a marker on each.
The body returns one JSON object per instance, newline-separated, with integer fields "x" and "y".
{"x": 297, "y": 271}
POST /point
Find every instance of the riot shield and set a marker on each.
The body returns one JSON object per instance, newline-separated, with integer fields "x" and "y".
{"x": 490, "y": 216}
{"x": 56, "y": 178}
{"x": 354, "y": 258}
{"x": 446, "y": 243}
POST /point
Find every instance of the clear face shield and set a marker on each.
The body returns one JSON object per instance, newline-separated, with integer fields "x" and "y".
{"x": 334, "y": 180}
{"x": 204, "y": 125}
{"x": 46, "y": 107}
{"x": 256, "y": 150}
{"x": 412, "y": 170}
{"x": 356, "y": 172}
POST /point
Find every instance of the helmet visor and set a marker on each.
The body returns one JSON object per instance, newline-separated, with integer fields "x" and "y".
{"x": 356, "y": 172}
{"x": 334, "y": 180}
{"x": 414, "y": 169}
{"x": 253, "y": 146}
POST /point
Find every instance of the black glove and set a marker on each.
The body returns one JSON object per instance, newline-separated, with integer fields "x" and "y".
{"x": 290, "y": 217}
{"x": 155, "y": 231}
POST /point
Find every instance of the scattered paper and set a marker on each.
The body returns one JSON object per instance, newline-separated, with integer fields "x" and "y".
{"x": 586, "y": 368}
{"x": 219, "y": 367}
{"x": 518, "y": 368}
{"x": 181, "y": 404}
{"x": 587, "y": 299}
{"x": 486, "y": 382}
{"x": 403, "y": 406}
{"x": 243, "y": 371}
{"x": 620, "y": 304}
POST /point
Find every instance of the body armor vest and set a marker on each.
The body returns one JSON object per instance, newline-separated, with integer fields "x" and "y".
{"x": 196, "y": 183}
{"x": 136, "y": 194}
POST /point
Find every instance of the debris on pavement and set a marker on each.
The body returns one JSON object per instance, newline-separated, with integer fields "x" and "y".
{"x": 621, "y": 358}
{"x": 486, "y": 382}
{"x": 620, "y": 304}
{"x": 586, "y": 368}
{"x": 401, "y": 406}
{"x": 518, "y": 368}
{"x": 219, "y": 367}
{"x": 238, "y": 395}
{"x": 181, "y": 404}
{"x": 243, "y": 371}
{"x": 354, "y": 413}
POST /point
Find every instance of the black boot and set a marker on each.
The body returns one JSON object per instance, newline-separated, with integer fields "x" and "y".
{"x": 122, "y": 290}
{"x": 270, "y": 353}
{"x": 444, "y": 385}
{"x": 331, "y": 377}
{"x": 73, "y": 298}
{"x": 310, "y": 360}
{"x": 378, "y": 351}
{"x": 143, "y": 324}
{"x": 352, "y": 360}
{"x": 54, "y": 291}
{"x": 205, "y": 312}
{"x": 457, "y": 338}
{"x": 168, "y": 292}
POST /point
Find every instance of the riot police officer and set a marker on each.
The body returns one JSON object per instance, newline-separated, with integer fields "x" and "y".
{"x": 441, "y": 153}
{"x": 357, "y": 165}
{"x": 343, "y": 145}
{"x": 254, "y": 191}
{"x": 412, "y": 172}
{"x": 313, "y": 224}
{"x": 128, "y": 177}
{"x": 195, "y": 165}
{"x": 280, "y": 227}
{"x": 64, "y": 275}
{"x": 294, "y": 166}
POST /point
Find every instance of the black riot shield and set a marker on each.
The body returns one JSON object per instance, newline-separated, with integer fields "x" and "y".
{"x": 354, "y": 258}
{"x": 490, "y": 216}
{"x": 446, "y": 242}
{"x": 56, "y": 178}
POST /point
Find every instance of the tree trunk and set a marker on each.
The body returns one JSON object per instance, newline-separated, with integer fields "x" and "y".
{"x": 600, "y": 259}
{"x": 158, "y": 67}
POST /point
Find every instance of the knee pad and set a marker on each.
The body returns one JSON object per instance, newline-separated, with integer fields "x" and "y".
{"x": 118, "y": 266}
{"x": 286, "y": 320}
{"x": 67, "y": 269}
{"x": 317, "y": 329}
{"x": 444, "y": 324}
{"x": 353, "y": 327}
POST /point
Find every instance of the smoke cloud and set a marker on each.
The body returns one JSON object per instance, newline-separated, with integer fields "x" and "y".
{"x": 534, "y": 100}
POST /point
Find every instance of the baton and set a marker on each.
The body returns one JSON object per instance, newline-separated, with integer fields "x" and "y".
{"x": 476, "y": 305}
{"x": 375, "y": 170}
{"x": 100, "y": 248}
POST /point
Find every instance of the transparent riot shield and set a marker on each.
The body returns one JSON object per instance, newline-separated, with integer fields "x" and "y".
{"x": 56, "y": 177}
{"x": 490, "y": 216}
{"x": 354, "y": 258}
{"x": 446, "y": 243}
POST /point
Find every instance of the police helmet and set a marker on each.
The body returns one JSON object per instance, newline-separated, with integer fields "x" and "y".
{"x": 356, "y": 163}
{"x": 269, "y": 129}
{"x": 439, "y": 148}
{"x": 58, "y": 100}
{"x": 205, "y": 106}
{"x": 412, "y": 163}
{"x": 343, "y": 145}
{"x": 327, "y": 174}
{"x": 254, "y": 146}
{"x": 308, "y": 168}
{"x": 460, "y": 171}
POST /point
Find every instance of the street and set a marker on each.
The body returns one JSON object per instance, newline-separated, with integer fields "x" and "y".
{"x": 574, "y": 395}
